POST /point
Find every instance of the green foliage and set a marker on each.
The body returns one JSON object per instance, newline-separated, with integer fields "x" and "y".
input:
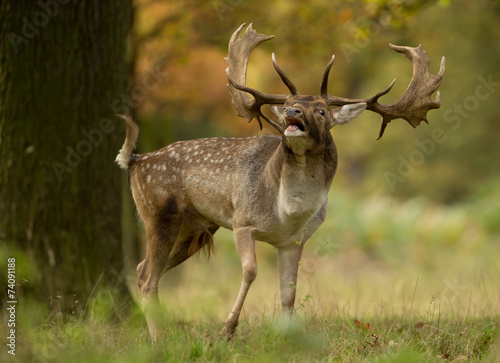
{"x": 24, "y": 267}
{"x": 485, "y": 206}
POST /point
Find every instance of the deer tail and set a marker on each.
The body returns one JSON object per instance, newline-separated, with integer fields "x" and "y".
{"x": 125, "y": 155}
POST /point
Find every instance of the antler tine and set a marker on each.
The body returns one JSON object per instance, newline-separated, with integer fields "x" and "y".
{"x": 259, "y": 100}
{"x": 239, "y": 51}
{"x": 416, "y": 100}
{"x": 284, "y": 78}
{"x": 324, "y": 81}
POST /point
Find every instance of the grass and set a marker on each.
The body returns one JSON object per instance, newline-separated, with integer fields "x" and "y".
{"x": 318, "y": 339}
{"x": 383, "y": 281}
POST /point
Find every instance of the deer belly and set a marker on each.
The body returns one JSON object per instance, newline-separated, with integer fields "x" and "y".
{"x": 212, "y": 203}
{"x": 217, "y": 211}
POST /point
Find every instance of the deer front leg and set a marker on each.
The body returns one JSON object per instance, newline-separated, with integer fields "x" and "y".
{"x": 245, "y": 245}
{"x": 288, "y": 265}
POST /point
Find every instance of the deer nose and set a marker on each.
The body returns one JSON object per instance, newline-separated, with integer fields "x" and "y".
{"x": 292, "y": 112}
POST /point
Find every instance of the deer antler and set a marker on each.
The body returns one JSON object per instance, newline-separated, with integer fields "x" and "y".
{"x": 415, "y": 102}
{"x": 237, "y": 61}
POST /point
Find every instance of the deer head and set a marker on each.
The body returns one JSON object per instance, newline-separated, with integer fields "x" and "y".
{"x": 413, "y": 105}
{"x": 306, "y": 121}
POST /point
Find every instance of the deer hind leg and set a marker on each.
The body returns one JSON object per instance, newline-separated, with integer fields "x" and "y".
{"x": 161, "y": 238}
{"x": 245, "y": 245}
{"x": 171, "y": 241}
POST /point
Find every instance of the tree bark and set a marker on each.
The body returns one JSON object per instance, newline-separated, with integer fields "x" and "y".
{"x": 63, "y": 65}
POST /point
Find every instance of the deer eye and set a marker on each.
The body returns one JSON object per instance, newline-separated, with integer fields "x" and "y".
{"x": 322, "y": 112}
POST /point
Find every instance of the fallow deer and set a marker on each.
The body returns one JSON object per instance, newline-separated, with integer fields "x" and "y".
{"x": 271, "y": 188}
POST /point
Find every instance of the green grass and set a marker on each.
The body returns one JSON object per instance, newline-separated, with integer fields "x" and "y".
{"x": 318, "y": 339}
{"x": 381, "y": 281}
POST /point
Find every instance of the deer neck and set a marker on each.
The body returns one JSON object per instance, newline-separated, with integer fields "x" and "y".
{"x": 302, "y": 177}
{"x": 300, "y": 155}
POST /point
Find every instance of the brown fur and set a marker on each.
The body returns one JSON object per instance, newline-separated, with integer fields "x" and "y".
{"x": 202, "y": 241}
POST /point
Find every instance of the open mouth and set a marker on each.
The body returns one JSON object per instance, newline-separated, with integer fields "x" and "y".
{"x": 294, "y": 127}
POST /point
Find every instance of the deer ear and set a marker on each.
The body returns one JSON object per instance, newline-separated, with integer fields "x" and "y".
{"x": 345, "y": 114}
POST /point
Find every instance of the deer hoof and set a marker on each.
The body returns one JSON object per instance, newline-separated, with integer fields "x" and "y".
{"x": 229, "y": 329}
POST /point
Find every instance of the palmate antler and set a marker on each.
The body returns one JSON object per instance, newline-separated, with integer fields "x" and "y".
{"x": 413, "y": 105}
{"x": 237, "y": 61}
{"x": 415, "y": 102}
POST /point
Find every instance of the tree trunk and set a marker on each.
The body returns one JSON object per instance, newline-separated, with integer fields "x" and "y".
{"x": 63, "y": 66}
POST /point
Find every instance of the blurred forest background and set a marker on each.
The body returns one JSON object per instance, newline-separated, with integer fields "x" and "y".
{"x": 408, "y": 207}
